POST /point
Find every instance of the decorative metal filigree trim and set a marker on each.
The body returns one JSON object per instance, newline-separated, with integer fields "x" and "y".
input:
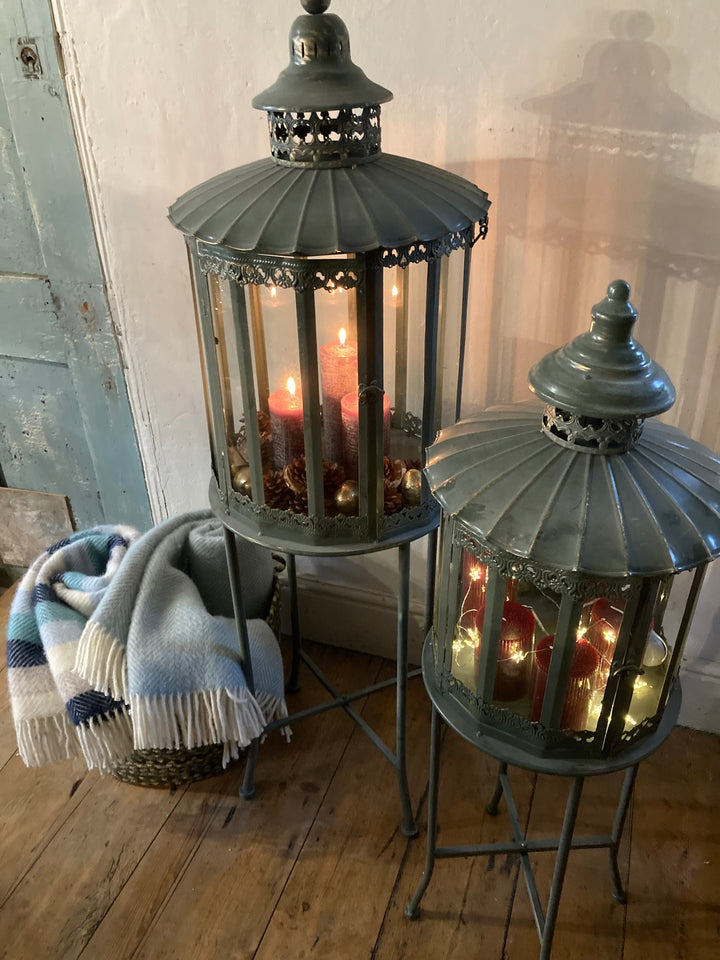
{"x": 338, "y": 528}
{"x": 535, "y": 735}
{"x": 591, "y": 434}
{"x": 641, "y": 730}
{"x": 408, "y": 518}
{"x": 544, "y": 578}
{"x": 426, "y": 252}
{"x": 301, "y": 273}
{"x": 288, "y": 274}
{"x": 325, "y": 138}
{"x": 412, "y": 425}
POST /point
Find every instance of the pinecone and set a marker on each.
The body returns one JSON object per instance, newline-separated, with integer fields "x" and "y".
{"x": 413, "y": 464}
{"x": 277, "y": 492}
{"x": 295, "y": 475}
{"x": 393, "y": 500}
{"x": 393, "y": 472}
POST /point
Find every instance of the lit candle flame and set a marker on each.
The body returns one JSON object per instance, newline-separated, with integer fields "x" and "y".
{"x": 273, "y": 292}
{"x": 394, "y": 290}
{"x": 342, "y": 336}
{"x": 291, "y": 386}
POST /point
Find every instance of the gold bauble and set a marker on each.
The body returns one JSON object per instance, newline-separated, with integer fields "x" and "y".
{"x": 241, "y": 480}
{"x": 411, "y": 488}
{"x": 347, "y": 498}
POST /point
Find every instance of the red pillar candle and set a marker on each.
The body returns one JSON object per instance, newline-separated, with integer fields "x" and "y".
{"x": 286, "y": 421}
{"x": 512, "y": 678}
{"x": 581, "y": 684}
{"x": 339, "y": 375}
{"x": 603, "y": 637}
{"x": 350, "y": 410}
{"x": 612, "y": 614}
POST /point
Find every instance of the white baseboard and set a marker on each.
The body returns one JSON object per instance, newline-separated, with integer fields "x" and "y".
{"x": 366, "y": 621}
{"x": 700, "y": 695}
{"x": 352, "y": 618}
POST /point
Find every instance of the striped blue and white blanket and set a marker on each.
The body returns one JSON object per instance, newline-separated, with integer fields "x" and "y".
{"x": 118, "y": 641}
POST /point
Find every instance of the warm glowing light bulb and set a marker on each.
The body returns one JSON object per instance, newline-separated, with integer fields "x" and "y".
{"x": 342, "y": 336}
{"x": 273, "y": 292}
{"x": 291, "y": 386}
{"x": 394, "y": 290}
{"x": 475, "y": 573}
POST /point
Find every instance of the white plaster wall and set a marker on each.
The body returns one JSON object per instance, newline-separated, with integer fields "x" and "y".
{"x": 595, "y": 129}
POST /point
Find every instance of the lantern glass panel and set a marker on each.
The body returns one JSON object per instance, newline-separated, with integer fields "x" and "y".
{"x": 661, "y": 648}
{"x": 226, "y": 356}
{"x": 274, "y": 339}
{"x": 450, "y": 336}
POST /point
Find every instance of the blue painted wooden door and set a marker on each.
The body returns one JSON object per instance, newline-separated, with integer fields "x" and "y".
{"x": 65, "y": 420}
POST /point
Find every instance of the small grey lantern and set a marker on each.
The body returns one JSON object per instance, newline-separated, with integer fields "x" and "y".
{"x": 331, "y": 286}
{"x": 573, "y": 551}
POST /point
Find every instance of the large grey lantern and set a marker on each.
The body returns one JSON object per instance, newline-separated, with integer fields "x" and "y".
{"x": 573, "y": 549}
{"x": 331, "y": 286}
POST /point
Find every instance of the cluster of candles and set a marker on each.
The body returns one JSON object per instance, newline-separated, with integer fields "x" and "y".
{"x": 340, "y": 410}
{"x": 522, "y": 669}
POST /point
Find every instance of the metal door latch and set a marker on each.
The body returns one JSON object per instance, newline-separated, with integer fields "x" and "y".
{"x": 28, "y": 57}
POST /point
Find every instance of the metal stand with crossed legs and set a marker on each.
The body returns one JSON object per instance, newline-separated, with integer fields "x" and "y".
{"x": 446, "y": 709}
{"x": 397, "y": 757}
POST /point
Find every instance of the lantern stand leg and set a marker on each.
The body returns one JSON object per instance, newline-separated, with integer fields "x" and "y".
{"x": 492, "y": 807}
{"x": 247, "y": 790}
{"x": 563, "y": 850}
{"x": 411, "y": 909}
{"x": 408, "y": 826}
{"x": 293, "y": 684}
{"x": 618, "y": 890}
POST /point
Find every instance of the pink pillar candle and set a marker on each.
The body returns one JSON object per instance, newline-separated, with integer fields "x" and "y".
{"x": 512, "y": 677}
{"x": 286, "y": 421}
{"x": 338, "y": 375}
{"x": 350, "y": 410}
{"x": 581, "y": 684}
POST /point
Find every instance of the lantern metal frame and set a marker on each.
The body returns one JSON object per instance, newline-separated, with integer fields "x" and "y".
{"x": 327, "y": 210}
{"x": 584, "y": 502}
{"x": 587, "y": 500}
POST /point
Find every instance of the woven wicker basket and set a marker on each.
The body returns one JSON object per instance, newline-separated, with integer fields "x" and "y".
{"x": 170, "y": 768}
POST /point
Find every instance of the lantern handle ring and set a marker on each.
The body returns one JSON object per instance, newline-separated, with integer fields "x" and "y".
{"x": 627, "y": 668}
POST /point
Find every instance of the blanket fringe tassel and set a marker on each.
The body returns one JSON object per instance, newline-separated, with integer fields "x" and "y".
{"x": 46, "y": 739}
{"x": 106, "y": 742}
{"x": 172, "y": 721}
{"x": 101, "y": 661}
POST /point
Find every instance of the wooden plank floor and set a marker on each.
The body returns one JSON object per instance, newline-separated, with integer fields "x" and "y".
{"x": 315, "y": 866}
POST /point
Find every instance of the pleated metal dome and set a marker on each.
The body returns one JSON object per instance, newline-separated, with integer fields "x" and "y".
{"x": 285, "y": 210}
{"x": 566, "y": 503}
{"x": 327, "y": 188}
{"x": 654, "y": 510}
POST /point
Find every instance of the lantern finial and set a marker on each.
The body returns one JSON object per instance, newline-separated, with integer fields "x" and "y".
{"x": 604, "y": 373}
{"x": 315, "y": 6}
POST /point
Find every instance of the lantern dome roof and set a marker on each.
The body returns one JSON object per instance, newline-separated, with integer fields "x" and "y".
{"x": 652, "y": 511}
{"x": 284, "y": 210}
{"x": 328, "y": 188}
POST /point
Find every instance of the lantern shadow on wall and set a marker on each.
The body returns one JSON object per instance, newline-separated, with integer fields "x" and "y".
{"x": 610, "y": 191}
